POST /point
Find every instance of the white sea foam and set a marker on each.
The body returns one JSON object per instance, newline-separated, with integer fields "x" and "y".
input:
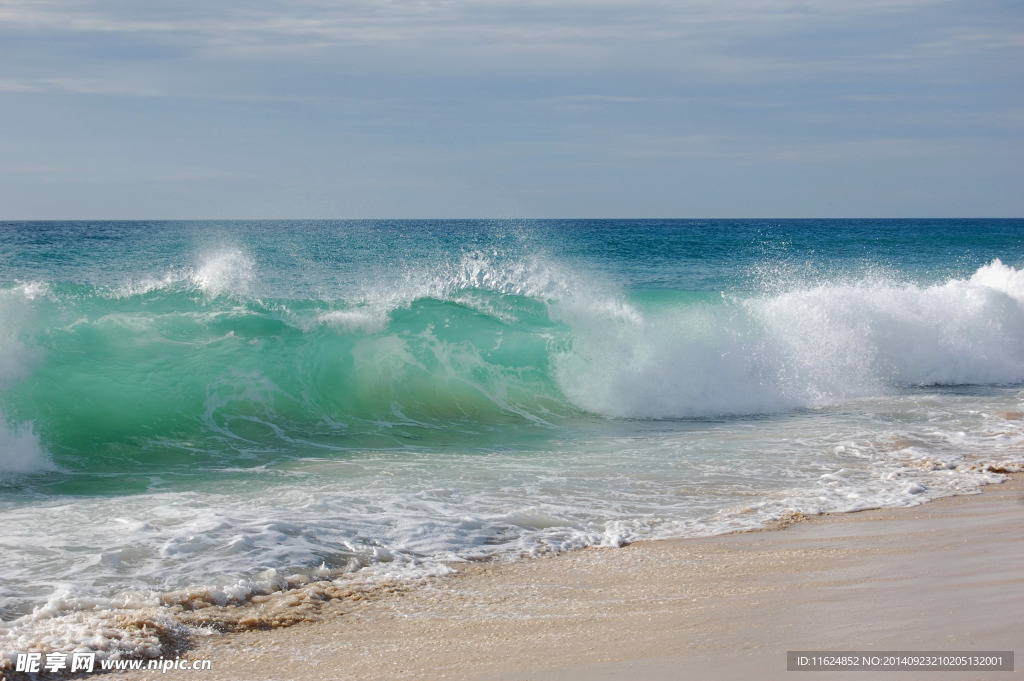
{"x": 20, "y": 449}
{"x": 381, "y": 517}
{"x": 808, "y": 346}
{"x": 998, "y": 277}
{"x": 844, "y": 339}
{"x": 694, "y": 361}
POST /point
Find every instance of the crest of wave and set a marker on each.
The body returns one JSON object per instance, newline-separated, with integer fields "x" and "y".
{"x": 507, "y": 273}
{"x": 841, "y": 338}
{"x": 225, "y": 272}
{"x": 809, "y": 345}
{"x": 503, "y": 272}
{"x": 999, "y": 277}
{"x": 221, "y": 272}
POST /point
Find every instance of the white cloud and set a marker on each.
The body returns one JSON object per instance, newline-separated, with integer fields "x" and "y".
{"x": 87, "y": 86}
{"x": 740, "y": 39}
{"x": 474, "y": 21}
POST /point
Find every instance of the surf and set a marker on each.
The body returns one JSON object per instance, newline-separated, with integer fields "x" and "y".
{"x": 198, "y": 363}
{"x": 201, "y": 413}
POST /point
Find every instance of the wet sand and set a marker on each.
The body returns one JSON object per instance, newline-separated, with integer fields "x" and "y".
{"x": 944, "y": 576}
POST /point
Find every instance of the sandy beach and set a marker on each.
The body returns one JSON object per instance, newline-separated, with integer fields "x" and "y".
{"x": 944, "y": 576}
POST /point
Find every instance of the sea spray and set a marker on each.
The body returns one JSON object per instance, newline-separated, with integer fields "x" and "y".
{"x": 808, "y": 346}
{"x": 851, "y": 338}
{"x": 20, "y": 448}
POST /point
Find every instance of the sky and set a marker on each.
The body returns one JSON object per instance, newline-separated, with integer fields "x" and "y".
{"x": 189, "y": 109}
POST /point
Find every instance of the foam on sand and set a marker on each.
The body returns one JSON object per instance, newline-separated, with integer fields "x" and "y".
{"x": 939, "y": 577}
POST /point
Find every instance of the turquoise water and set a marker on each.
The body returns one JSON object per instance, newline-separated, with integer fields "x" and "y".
{"x": 201, "y": 405}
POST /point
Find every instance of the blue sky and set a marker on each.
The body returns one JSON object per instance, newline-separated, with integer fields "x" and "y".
{"x": 123, "y": 109}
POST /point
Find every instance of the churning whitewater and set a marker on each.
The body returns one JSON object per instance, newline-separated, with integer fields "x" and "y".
{"x": 201, "y": 412}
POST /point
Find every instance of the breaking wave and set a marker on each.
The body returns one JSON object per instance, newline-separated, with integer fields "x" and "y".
{"x": 197, "y": 358}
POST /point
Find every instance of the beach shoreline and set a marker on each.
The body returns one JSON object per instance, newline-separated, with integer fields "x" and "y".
{"x": 942, "y": 576}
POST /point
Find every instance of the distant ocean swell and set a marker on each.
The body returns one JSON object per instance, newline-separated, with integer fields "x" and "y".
{"x": 197, "y": 361}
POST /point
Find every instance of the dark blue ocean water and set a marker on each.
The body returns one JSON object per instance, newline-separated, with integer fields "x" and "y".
{"x": 301, "y": 258}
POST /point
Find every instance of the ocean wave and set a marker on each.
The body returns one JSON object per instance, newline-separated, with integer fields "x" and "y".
{"x": 481, "y": 344}
{"x": 194, "y": 417}
{"x": 810, "y": 345}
